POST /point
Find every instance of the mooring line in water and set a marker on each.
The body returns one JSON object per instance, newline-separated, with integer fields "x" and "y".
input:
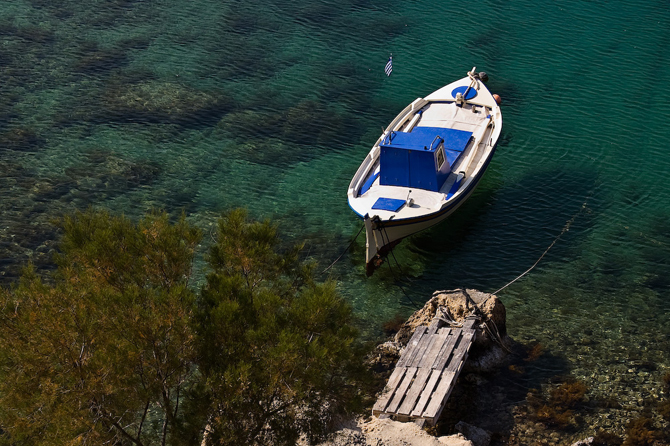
{"x": 566, "y": 228}
{"x": 399, "y": 268}
{"x": 345, "y": 251}
{"x": 395, "y": 279}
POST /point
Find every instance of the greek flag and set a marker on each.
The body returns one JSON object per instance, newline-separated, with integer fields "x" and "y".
{"x": 389, "y": 66}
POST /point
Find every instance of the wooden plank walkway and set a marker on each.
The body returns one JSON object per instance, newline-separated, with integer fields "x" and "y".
{"x": 426, "y": 372}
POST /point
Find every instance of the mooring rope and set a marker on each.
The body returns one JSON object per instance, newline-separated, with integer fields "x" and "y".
{"x": 566, "y": 228}
{"x": 395, "y": 279}
{"x": 344, "y": 252}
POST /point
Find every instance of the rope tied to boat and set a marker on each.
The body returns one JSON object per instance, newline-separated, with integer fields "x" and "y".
{"x": 395, "y": 279}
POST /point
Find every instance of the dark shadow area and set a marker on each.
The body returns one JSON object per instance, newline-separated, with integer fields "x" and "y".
{"x": 489, "y": 401}
{"x": 502, "y": 230}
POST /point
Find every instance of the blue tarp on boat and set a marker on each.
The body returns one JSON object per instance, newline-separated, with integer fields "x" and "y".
{"x": 417, "y": 158}
{"x": 388, "y": 204}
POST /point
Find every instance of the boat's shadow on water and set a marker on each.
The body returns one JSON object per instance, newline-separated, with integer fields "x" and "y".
{"x": 503, "y": 229}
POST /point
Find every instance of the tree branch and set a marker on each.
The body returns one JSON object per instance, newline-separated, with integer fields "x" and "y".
{"x": 139, "y": 429}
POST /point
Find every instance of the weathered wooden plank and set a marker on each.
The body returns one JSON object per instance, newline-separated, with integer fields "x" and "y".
{"x": 460, "y": 352}
{"x": 447, "y": 350}
{"x": 426, "y": 341}
{"x": 413, "y": 343}
{"x": 420, "y": 349}
{"x": 389, "y": 390}
{"x": 444, "y": 330}
{"x": 431, "y": 352}
{"x": 439, "y": 397}
{"x": 402, "y": 389}
{"x": 414, "y": 391}
{"x": 411, "y": 346}
{"x": 426, "y": 372}
{"x": 426, "y": 393}
{"x": 470, "y": 323}
{"x": 435, "y": 324}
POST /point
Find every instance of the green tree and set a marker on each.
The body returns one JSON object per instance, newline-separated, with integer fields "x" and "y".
{"x": 101, "y": 353}
{"x": 277, "y": 348}
{"x": 115, "y": 347}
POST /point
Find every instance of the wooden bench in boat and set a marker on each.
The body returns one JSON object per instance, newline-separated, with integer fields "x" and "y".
{"x": 426, "y": 372}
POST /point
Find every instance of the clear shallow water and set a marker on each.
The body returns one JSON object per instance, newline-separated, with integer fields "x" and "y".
{"x": 202, "y": 105}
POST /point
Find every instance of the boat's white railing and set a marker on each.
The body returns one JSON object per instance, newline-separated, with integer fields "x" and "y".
{"x": 360, "y": 176}
{"x": 402, "y": 116}
{"x": 465, "y": 165}
{"x": 413, "y": 122}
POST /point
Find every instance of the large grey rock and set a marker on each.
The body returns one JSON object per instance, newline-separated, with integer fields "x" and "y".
{"x": 459, "y": 304}
{"x": 478, "y": 436}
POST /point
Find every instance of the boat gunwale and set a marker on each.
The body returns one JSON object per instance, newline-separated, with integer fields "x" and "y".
{"x": 372, "y": 158}
{"x": 448, "y": 205}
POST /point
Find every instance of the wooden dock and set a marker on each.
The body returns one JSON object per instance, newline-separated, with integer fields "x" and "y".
{"x": 426, "y": 372}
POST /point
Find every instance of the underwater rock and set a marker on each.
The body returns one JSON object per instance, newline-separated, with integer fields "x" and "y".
{"x": 310, "y": 122}
{"x": 20, "y": 139}
{"x": 96, "y": 60}
{"x": 31, "y": 33}
{"x": 109, "y": 173}
{"x": 135, "y": 43}
{"x": 303, "y": 122}
{"x": 14, "y": 176}
{"x": 250, "y": 123}
{"x": 165, "y": 102}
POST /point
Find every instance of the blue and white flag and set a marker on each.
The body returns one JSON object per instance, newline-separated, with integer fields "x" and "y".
{"x": 389, "y": 66}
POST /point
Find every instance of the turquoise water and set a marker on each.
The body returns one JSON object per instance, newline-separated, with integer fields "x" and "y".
{"x": 204, "y": 105}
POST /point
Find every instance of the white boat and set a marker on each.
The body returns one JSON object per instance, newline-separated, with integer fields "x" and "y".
{"x": 425, "y": 164}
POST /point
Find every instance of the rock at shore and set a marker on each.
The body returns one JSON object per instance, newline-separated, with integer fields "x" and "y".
{"x": 459, "y": 304}
{"x": 488, "y": 352}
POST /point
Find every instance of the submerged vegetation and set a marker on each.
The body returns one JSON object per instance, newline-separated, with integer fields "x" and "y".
{"x": 116, "y": 346}
{"x": 557, "y": 409}
{"x": 641, "y": 432}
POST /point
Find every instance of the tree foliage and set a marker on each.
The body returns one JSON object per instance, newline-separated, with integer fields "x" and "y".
{"x": 277, "y": 347}
{"x": 108, "y": 347}
{"x": 116, "y": 347}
